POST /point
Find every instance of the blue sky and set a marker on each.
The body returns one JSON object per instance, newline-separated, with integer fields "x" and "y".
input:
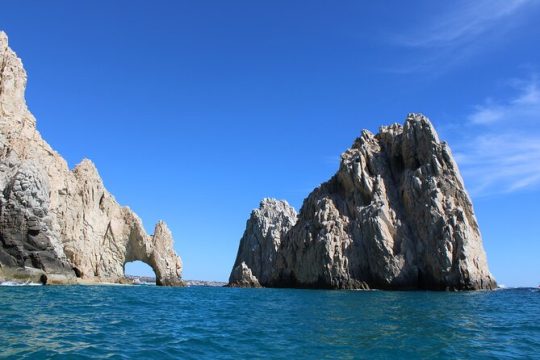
{"x": 195, "y": 111}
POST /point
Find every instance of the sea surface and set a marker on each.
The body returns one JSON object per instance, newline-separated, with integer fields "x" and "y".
{"x": 148, "y": 322}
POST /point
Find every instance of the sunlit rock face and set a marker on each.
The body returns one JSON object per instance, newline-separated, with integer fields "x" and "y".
{"x": 259, "y": 246}
{"x": 59, "y": 225}
{"x": 396, "y": 215}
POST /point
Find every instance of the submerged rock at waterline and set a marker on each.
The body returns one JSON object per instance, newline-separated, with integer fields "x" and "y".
{"x": 396, "y": 215}
{"x": 59, "y": 225}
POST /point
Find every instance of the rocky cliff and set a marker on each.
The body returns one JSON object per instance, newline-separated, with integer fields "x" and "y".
{"x": 59, "y": 225}
{"x": 396, "y": 215}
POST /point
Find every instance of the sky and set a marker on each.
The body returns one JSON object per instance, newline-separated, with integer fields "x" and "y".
{"x": 193, "y": 111}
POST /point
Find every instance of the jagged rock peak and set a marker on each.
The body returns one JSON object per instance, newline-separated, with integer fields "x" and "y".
{"x": 167, "y": 265}
{"x": 396, "y": 215}
{"x": 86, "y": 165}
{"x": 12, "y": 85}
{"x": 260, "y": 243}
{"x": 57, "y": 225}
{"x": 3, "y": 41}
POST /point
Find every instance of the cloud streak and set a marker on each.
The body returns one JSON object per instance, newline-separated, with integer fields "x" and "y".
{"x": 455, "y": 32}
{"x": 504, "y": 155}
{"x": 523, "y": 108}
{"x": 464, "y": 23}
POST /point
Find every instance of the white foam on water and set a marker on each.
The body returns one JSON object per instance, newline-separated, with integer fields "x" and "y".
{"x": 14, "y": 283}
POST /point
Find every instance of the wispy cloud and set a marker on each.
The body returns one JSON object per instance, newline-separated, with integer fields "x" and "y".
{"x": 453, "y": 34}
{"x": 463, "y": 23}
{"x": 504, "y": 154}
{"x": 525, "y": 106}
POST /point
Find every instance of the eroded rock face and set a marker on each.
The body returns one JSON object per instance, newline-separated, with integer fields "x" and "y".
{"x": 395, "y": 216}
{"x": 56, "y": 224}
{"x": 258, "y": 248}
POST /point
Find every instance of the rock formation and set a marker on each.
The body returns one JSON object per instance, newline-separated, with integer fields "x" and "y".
{"x": 257, "y": 253}
{"x": 396, "y": 215}
{"x": 57, "y": 225}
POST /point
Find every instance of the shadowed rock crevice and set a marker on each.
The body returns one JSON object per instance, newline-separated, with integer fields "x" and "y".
{"x": 58, "y": 224}
{"x": 395, "y": 216}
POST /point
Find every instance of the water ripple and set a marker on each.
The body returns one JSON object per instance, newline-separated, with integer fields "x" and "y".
{"x": 109, "y": 322}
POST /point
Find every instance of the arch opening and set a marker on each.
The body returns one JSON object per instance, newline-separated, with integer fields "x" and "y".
{"x": 140, "y": 273}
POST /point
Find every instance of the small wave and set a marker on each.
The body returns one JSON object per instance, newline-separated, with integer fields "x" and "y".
{"x": 15, "y": 283}
{"x": 362, "y": 290}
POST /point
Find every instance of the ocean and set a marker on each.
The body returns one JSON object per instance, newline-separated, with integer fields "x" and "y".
{"x": 149, "y": 322}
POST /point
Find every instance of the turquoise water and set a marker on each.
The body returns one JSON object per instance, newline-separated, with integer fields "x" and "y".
{"x": 114, "y": 322}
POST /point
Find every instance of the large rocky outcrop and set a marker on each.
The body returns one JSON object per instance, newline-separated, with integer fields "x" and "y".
{"x": 58, "y": 225}
{"x": 395, "y": 216}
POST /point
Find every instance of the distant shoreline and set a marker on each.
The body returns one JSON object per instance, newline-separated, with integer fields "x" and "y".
{"x": 149, "y": 280}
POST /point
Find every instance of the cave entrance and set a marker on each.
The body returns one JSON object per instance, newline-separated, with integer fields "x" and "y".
{"x": 140, "y": 273}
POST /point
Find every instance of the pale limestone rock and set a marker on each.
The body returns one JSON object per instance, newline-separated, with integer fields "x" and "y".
{"x": 61, "y": 223}
{"x": 395, "y": 216}
{"x": 165, "y": 263}
{"x": 259, "y": 245}
{"x": 241, "y": 276}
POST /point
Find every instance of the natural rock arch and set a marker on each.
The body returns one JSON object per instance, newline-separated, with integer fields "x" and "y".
{"x": 138, "y": 269}
{"x": 112, "y": 235}
{"x": 157, "y": 252}
{"x": 58, "y": 222}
